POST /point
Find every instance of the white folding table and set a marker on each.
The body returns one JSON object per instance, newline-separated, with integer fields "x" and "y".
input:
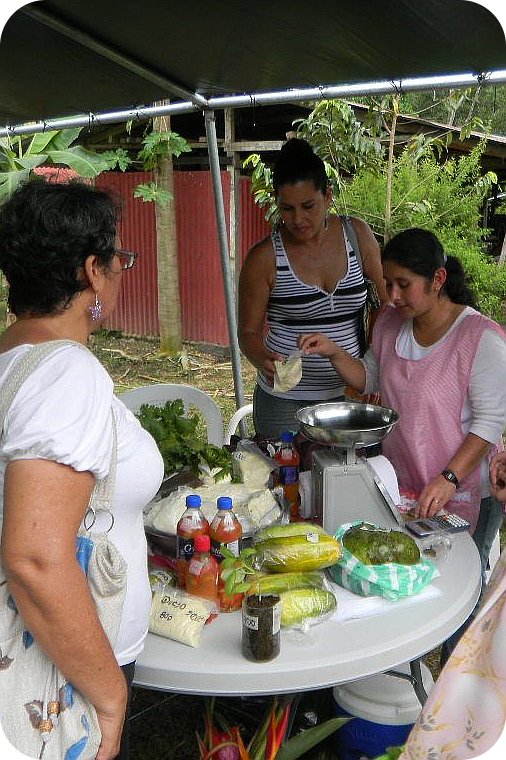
{"x": 331, "y": 653}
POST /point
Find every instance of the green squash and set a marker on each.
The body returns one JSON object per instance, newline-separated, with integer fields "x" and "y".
{"x": 377, "y": 546}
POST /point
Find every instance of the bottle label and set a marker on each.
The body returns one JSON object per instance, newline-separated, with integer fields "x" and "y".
{"x": 185, "y": 548}
{"x": 232, "y": 546}
{"x": 196, "y": 567}
{"x": 250, "y": 621}
{"x": 288, "y": 475}
{"x": 276, "y": 618}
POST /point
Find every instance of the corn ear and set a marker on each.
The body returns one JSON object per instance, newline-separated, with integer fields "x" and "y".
{"x": 301, "y": 604}
{"x": 282, "y": 531}
{"x": 301, "y": 553}
{"x": 275, "y": 583}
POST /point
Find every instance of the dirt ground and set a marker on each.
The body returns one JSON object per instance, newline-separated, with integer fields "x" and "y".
{"x": 135, "y": 361}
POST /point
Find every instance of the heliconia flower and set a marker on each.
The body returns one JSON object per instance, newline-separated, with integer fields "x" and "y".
{"x": 277, "y": 729}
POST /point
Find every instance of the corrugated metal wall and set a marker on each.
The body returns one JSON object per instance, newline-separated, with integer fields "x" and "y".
{"x": 200, "y": 281}
{"x": 201, "y": 290}
{"x": 253, "y": 224}
{"x": 136, "y": 312}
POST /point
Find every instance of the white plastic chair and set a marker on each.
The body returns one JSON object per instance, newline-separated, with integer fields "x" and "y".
{"x": 159, "y": 393}
{"x": 232, "y": 426}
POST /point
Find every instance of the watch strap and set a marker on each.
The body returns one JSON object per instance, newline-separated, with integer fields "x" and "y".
{"x": 451, "y": 477}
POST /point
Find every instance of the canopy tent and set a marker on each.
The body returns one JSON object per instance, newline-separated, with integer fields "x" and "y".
{"x": 64, "y": 62}
{"x": 62, "y": 57}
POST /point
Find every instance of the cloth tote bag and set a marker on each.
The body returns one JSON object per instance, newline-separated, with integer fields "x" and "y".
{"x": 42, "y": 714}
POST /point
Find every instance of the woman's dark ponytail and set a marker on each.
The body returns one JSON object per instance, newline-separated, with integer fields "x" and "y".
{"x": 456, "y": 286}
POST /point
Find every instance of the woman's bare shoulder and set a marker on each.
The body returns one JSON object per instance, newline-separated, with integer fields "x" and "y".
{"x": 261, "y": 255}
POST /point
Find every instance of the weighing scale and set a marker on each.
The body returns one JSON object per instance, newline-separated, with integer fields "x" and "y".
{"x": 345, "y": 486}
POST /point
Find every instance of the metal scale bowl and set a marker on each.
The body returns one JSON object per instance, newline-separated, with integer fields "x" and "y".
{"x": 346, "y": 425}
{"x": 345, "y": 487}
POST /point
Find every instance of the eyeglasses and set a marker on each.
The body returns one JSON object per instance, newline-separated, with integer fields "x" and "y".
{"x": 127, "y": 258}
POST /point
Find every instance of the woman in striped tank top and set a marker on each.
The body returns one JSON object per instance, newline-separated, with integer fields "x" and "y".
{"x": 305, "y": 277}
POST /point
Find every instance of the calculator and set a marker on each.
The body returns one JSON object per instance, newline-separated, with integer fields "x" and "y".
{"x": 448, "y": 522}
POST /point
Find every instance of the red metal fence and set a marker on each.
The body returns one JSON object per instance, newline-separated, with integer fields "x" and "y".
{"x": 200, "y": 279}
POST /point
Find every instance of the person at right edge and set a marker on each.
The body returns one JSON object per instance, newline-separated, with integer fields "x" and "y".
{"x": 441, "y": 364}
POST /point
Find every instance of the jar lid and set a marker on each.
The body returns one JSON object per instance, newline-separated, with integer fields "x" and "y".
{"x": 224, "y": 502}
{"x": 193, "y": 500}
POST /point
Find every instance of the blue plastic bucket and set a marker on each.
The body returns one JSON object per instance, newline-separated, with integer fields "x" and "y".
{"x": 384, "y": 709}
{"x": 363, "y": 738}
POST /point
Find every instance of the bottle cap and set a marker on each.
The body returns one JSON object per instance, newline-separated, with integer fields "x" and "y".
{"x": 202, "y": 543}
{"x": 286, "y": 436}
{"x": 224, "y": 502}
{"x": 193, "y": 500}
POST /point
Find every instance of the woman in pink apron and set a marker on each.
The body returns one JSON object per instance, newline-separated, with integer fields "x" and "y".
{"x": 441, "y": 364}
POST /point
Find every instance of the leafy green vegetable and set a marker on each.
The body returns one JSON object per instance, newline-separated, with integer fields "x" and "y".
{"x": 237, "y": 572}
{"x": 177, "y": 439}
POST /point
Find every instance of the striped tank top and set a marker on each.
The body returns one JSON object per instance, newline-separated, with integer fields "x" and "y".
{"x": 295, "y": 308}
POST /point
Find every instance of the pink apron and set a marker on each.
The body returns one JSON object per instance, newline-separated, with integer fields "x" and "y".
{"x": 429, "y": 395}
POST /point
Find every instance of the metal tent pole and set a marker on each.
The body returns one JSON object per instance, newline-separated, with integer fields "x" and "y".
{"x": 212, "y": 146}
{"x": 296, "y": 95}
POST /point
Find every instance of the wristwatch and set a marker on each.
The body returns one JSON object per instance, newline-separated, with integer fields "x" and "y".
{"x": 451, "y": 477}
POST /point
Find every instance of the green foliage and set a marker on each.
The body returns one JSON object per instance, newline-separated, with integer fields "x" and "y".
{"x": 150, "y": 192}
{"x": 237, "y": 572}
{"x": 117, "y": 159}
{"x": 425, "y": 192}
{"x": 261, "y": 186}
{"x": 446, "y": 198}
{"x": 473, "y": 106}
{"x": 486, "y": 278}
{"x": 160, "y": 145}
{"x": 341, "y": 141}
{"x": 176, "y": 437}
{"x": 392, "y": 753}
{"x": 298, "y": 745}
{"x": 19, "y": 156}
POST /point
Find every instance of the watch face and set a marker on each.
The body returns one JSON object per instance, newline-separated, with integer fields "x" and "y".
{"x": 450, "y": 477}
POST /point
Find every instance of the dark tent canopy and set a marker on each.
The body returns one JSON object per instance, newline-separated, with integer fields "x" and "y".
{"x": 63, "y": 57}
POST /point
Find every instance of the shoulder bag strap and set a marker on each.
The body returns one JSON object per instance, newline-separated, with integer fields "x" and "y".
{"x": 352, "y": 237}
{"x": 101, "y": 497}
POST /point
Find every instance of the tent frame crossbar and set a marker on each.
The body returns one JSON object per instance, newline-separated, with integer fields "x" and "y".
{"x": 308, "y": 94}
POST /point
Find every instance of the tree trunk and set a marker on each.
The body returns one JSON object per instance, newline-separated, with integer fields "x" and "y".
{"x": 390, "y": 175}
{"x": 169, "y": 309}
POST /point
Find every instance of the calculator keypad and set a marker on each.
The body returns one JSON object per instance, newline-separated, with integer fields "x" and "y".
{"x": 451, "y": 523}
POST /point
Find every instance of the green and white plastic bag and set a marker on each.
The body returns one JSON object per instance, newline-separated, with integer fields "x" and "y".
{"x": 390, "y": 580}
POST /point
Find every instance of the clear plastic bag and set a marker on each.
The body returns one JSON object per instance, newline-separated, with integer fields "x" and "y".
{"x": 179, "y": 616}
{"x": 390, "y": 580}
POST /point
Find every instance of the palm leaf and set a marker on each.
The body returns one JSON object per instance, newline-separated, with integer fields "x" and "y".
{"x": 85, "y": 163}
{"x": 298, "y": 745}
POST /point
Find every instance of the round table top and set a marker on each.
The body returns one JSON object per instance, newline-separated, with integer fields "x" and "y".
{"x": 331, "y": 653}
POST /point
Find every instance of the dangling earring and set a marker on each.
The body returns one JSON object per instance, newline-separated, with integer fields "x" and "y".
{"x": 326, "y": 221}
{"x": 96, "y": 310}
